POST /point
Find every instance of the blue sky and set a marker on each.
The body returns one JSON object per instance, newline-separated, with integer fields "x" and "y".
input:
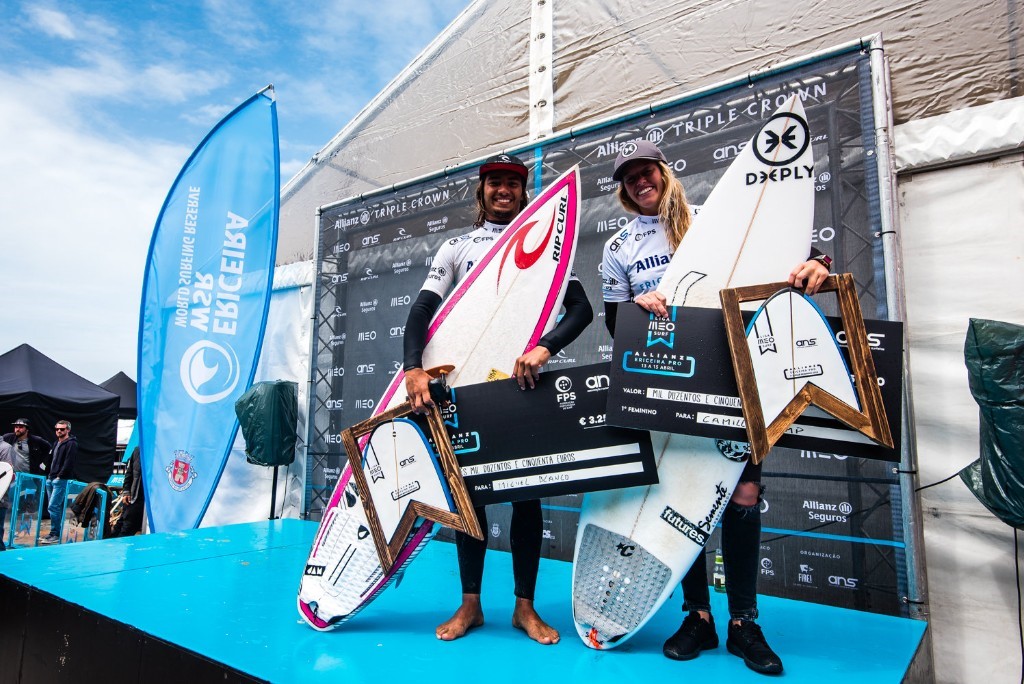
{"x": 102, "y": 103}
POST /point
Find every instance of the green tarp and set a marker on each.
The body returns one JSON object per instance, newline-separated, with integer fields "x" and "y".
{"x": 267, "y": 413}
{"x": 994, "y": 353}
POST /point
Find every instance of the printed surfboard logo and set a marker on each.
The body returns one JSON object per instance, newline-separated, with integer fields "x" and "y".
{"x": 717, "y": 508}
{"x": 808, "y": 371}
{"x": 782, "y": 139}
{"x": 687, "y": 528}
{"x": 180, "y": 472}
{"x": 405, "y": 490}
{"x": 524, "y": 259}
{"x": 734, "y": 451}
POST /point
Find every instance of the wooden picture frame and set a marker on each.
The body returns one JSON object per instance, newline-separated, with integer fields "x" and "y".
{"x": 870, "y": 421}
{"x": 464, "y": 520}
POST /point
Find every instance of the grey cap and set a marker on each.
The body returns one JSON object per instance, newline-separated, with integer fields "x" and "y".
{"x": 22, "y": 421}
{"x": 633, "y": 150}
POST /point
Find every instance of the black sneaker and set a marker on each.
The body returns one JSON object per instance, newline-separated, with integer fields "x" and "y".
{"x": 695, "y": 635}
{"x": 746, "y": 641}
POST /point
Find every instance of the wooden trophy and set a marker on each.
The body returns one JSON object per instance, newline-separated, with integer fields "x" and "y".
{"x": 463, "y": 520}
{"x": 870, "y": 420}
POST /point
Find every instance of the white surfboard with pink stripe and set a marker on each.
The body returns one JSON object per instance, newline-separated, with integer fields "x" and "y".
{"x": 509, "y": 300}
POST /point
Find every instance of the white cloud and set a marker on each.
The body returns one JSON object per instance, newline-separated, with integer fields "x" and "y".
{"x": 235, "y": 22}
{"x": 176, "y": 84}
{"x": 207, "y": 115}
{"x": 78, "y": 211}
{"x": 51, "y": 22}
{"x": 92, "y": 92}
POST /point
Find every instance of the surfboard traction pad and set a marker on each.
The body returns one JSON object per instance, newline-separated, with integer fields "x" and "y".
{"x": 615, "y": 599}
{"x": 339, "y": 602}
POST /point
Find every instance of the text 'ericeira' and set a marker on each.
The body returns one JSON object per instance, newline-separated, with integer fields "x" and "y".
{"x": 209, "y": 301}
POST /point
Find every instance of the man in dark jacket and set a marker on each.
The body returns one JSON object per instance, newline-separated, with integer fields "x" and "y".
{"x": 36, "y": 449}
{"x": 62, "y": 469}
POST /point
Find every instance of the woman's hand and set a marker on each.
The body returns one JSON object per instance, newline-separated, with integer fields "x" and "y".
{"x": 808, "y": 276}
{"x": 655, "y": 302}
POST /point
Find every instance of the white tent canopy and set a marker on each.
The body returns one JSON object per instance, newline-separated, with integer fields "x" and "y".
{"x": 505, "y": 74}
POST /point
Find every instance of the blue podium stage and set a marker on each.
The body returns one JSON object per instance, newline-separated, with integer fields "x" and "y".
{"x": 218, "y": 604}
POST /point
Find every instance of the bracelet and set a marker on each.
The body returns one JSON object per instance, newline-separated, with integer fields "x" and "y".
{"x": 825, "y": 260}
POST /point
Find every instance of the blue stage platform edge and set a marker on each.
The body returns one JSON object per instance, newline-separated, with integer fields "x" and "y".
{"x": 218, "y": 604}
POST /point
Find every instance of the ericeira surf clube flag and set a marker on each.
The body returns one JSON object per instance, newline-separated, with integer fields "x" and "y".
{"x": 501, "y": 309}
{"x": 204, "y": 307}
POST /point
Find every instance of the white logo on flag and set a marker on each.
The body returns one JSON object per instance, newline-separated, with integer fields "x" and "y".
{"x": 207, "y": 379}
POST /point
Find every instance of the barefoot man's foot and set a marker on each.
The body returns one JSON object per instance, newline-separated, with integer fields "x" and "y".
{"x": 527, "y": 619}
{"x": 468, "y": 616}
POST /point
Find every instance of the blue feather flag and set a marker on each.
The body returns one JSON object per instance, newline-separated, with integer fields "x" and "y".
{"x": 204, "y": 307}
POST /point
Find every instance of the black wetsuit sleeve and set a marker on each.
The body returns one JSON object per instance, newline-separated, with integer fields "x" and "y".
{"x": 416, "y": 325}
{"x": 578, "y": 315}
{"x": 611, "y": 310}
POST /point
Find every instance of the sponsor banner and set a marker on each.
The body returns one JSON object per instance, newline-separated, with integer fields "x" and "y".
{"x": 822, "y": 464}
{"x": 204, "y": 307}
{"x": 550, "y": 441}
{"x": 834, "y": 570}
{"x": 700, "y": 138}
{"x": 846, "y": 573}
{"x": 827, "y": 507}
{"x": 676, "y": 375}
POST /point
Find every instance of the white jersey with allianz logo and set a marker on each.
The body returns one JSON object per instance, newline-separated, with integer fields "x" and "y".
{"x": 456, "y": 257}
{"x": 634, "y": 260}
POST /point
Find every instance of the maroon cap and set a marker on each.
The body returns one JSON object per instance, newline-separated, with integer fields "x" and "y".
{"x": 505, "y": 162}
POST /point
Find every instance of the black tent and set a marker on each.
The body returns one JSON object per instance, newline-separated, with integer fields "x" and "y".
{"x": 34, "y": 386}
{"x": 124, "y": 387}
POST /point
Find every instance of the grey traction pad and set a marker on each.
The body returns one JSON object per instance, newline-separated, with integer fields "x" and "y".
{"x": 616, "y": 583}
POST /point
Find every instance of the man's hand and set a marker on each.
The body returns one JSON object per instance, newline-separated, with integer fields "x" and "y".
{"x": 416, "y": 387}
{"x": 527, "y": 367}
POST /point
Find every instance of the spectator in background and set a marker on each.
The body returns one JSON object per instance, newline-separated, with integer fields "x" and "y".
{"x": 19, "y": 463}
{"x": 35, "y": 449}
{"x": 62, "y": 469}
{"x": 130, "y": 521}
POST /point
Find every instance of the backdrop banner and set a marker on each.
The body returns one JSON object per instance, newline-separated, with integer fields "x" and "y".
{"x": 833, "y": 531}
